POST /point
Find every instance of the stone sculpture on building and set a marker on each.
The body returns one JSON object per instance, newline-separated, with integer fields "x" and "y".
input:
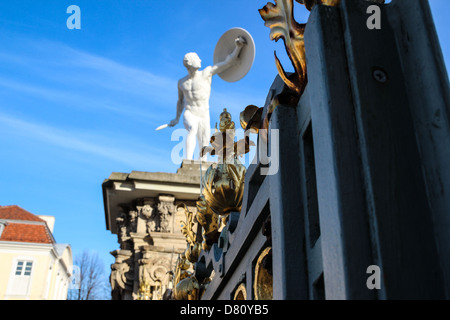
{"x": 154, "y": 272}
{"x": 193, "y": 96}
{"x": 121, "y": 274}
{"x": 166, "y": 210}
{"x": 148, "y": 229}
{"x": 194, "y": 90}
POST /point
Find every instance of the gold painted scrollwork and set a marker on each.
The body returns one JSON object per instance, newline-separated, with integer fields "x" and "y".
{"x": 144, "y": 292}
{"x": 279, "y": 17}
{"x": 187, "y": 229}
{"x": 223, "y": 184}
{"x": 224, "y": 187}
{"x": 209, "y": 220}
{"x": 263, "y": 279}
{"x": 186, "y": 286}
{"x": 241, "y": 293}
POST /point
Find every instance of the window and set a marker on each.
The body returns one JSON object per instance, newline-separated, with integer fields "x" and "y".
{"x": 24, "y": 268}
{"x": 21, "y": 277}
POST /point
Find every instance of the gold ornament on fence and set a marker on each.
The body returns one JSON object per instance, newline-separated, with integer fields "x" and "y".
{"x": 185, "y": 285}
{"x": 241, "y": 293}
{"x": 187, "y": 229}
{"x": 279, "y": 17}
{"x": 144, "y": 290}
{"x": 210, "y": 222}
{"x": 223, "y": 183}
{"x": 263, "y": 279}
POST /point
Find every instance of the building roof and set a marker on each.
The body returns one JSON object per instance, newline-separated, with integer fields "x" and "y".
{"x": 26, "y": 233}
{"x": 17, "y": 213}
{"x": 23, "y": 226}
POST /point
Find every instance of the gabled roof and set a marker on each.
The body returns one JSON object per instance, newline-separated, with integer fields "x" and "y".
{"x": 23, "y": 226}
{"x": 17, "y": 213}
{"x": 19, "y": 232}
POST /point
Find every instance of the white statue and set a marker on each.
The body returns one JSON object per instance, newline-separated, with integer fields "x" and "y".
{"x": 193, "y": 97}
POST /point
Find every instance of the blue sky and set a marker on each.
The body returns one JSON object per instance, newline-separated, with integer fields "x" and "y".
{"x": 76, "y": 105}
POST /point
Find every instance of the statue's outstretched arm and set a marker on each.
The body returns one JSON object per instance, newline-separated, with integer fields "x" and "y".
{"x": 231, "y": 59}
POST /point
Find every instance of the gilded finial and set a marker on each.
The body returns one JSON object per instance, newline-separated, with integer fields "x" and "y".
{"x": 225, "y": 121}
{"x": 222, "y": 141}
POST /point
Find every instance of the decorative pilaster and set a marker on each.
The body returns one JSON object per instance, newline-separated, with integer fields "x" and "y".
{"x": 122, "y": 275}
{"x": 154, "y": 272}
{"x": 166, "y": 210}
{"x": 149, "y": 242}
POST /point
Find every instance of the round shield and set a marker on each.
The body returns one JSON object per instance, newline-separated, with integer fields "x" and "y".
{"x": 226, "y": 46}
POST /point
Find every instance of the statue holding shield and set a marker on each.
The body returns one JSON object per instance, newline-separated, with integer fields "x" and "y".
{"x": 233, "y": 58}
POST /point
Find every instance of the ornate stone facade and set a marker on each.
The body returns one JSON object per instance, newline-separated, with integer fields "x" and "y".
{"x": 141, "y": 209}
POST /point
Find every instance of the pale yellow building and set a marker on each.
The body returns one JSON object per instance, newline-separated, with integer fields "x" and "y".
{"x": 32, "y": 265}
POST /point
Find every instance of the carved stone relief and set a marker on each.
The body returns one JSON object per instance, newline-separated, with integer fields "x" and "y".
{"x": 154, "y": 270}
{"x": 122, "y": 274}
{"x": 157, "y": 216}
{"x": 143, "y": 271}
{"x": 123, "y": 234}
{"x": 166, "y": 209}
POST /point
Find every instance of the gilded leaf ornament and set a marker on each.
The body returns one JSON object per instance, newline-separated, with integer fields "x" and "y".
{"x": 187, "y": 229}
{"x": 209, "y": 220}
{"x": 279, "y": 17}
{"x": 187, "y": 226}
{"x": 223, "y": 188}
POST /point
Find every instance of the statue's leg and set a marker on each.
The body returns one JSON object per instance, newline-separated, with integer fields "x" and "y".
{"x": 190, "y": 144}
{"x": 191, "y": 125}
{"x": 204, "y": 134}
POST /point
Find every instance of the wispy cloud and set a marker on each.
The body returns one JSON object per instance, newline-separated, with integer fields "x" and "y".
{"x": 76, "y": 79}
{"x": 101, "y": 83}
{"x": 79, "y": 100}
{"x": 52, "y": 78}
{"x": 90, "y": 144}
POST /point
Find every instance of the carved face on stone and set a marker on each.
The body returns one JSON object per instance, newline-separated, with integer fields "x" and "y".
{"x": 133, "y": 215}
{"x": 191, "y": 60}
{"x": 147, "y": 211}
